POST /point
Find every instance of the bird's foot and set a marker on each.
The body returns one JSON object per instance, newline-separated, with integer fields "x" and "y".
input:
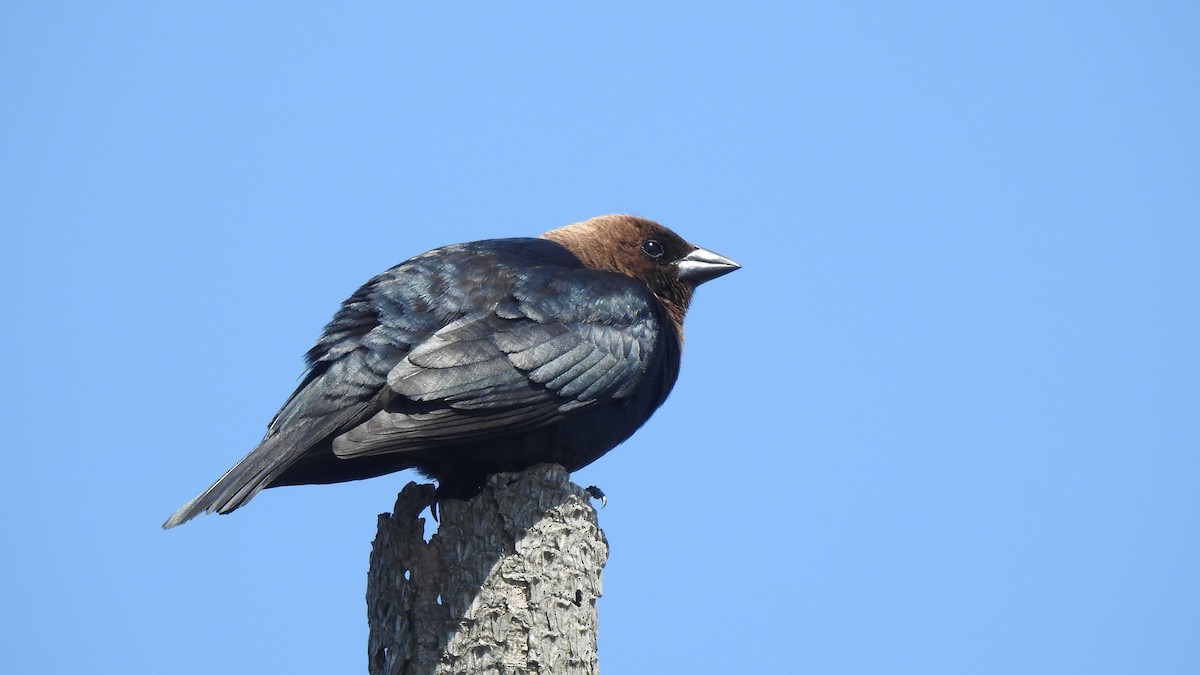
{"x": 596, "y": 493}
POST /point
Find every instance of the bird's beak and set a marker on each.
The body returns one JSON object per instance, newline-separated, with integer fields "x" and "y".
{"x": 702, "y": 265}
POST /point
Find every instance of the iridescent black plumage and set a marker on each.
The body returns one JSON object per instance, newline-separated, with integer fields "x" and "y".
{"x": 482, "y": 357}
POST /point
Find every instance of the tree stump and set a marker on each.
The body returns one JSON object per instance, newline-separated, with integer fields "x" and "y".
{"x": 508, "y": 585}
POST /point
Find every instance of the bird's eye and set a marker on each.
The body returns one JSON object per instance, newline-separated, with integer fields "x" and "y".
{"x": 652, "y": 249}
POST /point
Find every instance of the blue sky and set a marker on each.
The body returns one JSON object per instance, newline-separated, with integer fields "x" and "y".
{"x": 945, "y": 420}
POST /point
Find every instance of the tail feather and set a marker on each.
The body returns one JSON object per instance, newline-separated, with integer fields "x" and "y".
{"x": 317, "y": 412}
{"x": 247, "y": 478}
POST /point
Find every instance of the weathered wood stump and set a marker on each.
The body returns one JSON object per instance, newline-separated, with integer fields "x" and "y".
{"x": 508, "y": 585}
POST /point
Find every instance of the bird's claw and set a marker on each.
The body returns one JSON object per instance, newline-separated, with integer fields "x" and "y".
{"x": 596, "y": 493}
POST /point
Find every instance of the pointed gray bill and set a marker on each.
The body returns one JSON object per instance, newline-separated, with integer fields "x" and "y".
{"x": 703, "y": 265}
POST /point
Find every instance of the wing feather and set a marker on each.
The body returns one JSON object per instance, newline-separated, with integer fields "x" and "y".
{"x": 527, "y": 363}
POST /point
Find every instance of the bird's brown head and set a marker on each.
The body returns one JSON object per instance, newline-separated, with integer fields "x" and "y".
{"x": 647, "y": 251}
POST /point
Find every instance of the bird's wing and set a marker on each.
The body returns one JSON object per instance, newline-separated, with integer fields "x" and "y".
{"x": 346, "y": 379}
{"x": 559, "y": 343}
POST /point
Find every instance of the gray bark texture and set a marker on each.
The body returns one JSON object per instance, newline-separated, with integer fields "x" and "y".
{"x": 508, "y": 584}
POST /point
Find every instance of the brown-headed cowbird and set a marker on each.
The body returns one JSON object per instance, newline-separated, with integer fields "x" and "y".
{"x": 484, "y": 357}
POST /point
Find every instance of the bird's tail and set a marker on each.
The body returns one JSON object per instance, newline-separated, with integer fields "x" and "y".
{"x": 247, "y": 478}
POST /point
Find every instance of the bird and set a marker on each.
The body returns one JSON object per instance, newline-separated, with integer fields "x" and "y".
{"x": 482, "y": 357}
